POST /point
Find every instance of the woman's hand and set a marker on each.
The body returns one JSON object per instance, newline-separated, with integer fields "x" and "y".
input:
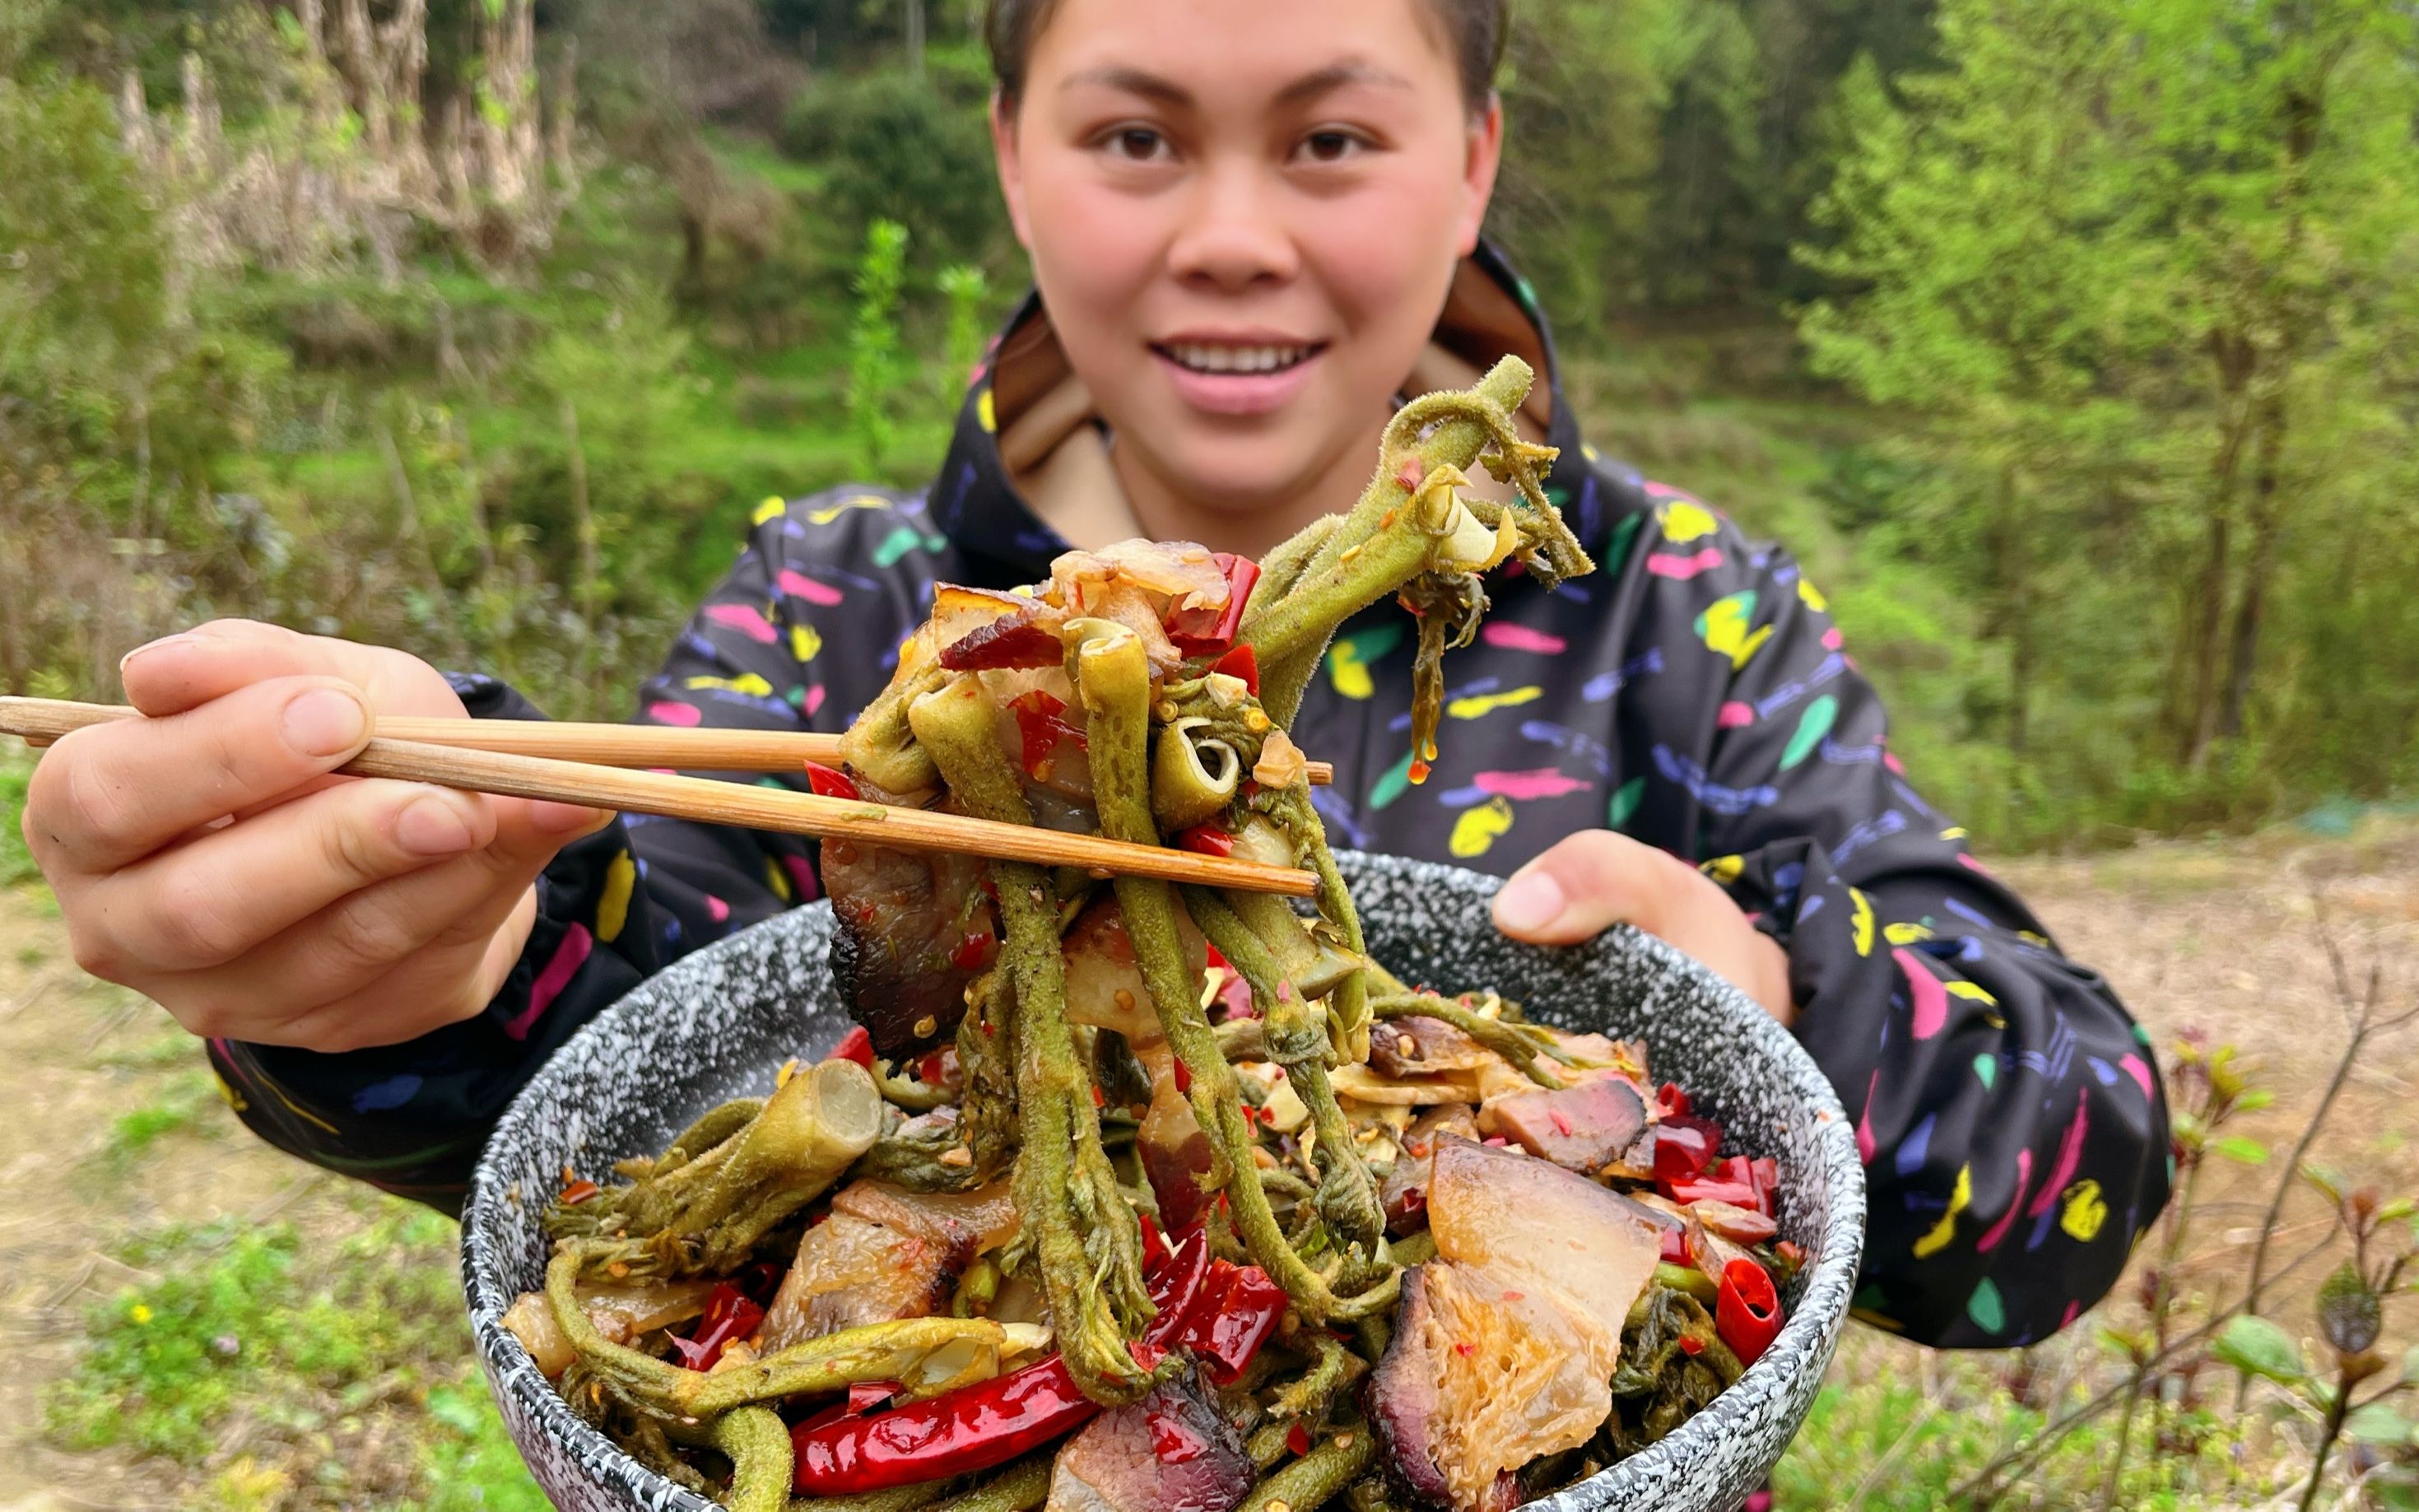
{"x": 206, "y": 857}
{"x": 1596, "y": 879}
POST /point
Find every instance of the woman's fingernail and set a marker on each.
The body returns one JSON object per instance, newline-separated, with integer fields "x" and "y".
{"x": 150, "y": 646}
{"x": 325, "y": 721}
{"x": 433, "y": 827}
{"x": 1531, "y": 901}
{"x": 567, "y": 818}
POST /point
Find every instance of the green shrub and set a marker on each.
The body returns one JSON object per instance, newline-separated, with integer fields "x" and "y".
{"x": 913, "y": 151}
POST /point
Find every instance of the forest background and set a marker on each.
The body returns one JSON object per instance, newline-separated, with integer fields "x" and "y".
{"x": 2071, "y": 343}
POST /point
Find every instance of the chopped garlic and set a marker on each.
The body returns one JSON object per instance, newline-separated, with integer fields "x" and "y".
{"x": 1281, "y": 763}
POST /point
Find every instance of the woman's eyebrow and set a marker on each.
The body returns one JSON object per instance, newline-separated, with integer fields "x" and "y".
{"x": 1326, "y": 80}
{"x": 1310, "y": 86}
{"x": 1130, "y": 81}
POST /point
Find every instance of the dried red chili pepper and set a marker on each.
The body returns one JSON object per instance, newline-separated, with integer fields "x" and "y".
{"x": 986, "y": 1425}
{"x": 1746, "y": 1311}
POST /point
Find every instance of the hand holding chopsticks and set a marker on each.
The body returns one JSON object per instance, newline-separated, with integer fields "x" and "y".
{"x": 469, "y": 759}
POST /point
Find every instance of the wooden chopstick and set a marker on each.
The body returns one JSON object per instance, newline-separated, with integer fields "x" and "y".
{"x": 602, "y": 744}
{"x": 744, "y": 805}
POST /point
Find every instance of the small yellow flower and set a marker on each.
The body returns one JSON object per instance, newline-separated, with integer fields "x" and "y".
{"x": 140, "y": 1313}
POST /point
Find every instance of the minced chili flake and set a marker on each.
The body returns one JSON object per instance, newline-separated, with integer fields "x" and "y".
{"x": 1690, "y": 1345}
{"x": 1298, "y": 1439}
{"x": 579, "y": 1192}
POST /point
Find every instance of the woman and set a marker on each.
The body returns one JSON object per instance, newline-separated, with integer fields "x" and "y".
{"x": 1254, "y": 228}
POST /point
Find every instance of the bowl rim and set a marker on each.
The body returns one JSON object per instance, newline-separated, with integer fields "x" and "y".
{"x": 1806, "y": 1335}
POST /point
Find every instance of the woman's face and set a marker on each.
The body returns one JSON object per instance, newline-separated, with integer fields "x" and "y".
{"x": 1243, "y": 216}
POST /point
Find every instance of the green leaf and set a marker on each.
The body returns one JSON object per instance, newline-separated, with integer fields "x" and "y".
{"x": 2256, "y": 1347}
{"x": 2410, "y": 1365}
{"x": 2377, "y": 1422}
{"x": 2253, "y": 1101}
{"x": 2350, "y": 1314}
{"x": 2243, "y": 1151}
{"x": 2395, "y": 1495}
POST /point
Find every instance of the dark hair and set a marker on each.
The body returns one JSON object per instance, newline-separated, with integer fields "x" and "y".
{"x": 1475, "y": 30}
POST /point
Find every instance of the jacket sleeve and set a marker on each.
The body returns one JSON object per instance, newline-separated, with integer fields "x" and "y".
{"x": 612, "y": 909}
{"x": 2009, "y": 1110}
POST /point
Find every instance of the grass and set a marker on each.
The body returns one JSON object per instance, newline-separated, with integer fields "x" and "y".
{"x": 1889, "y": 1435}
{"x": 265, "y": 1368}
{"x": 180, "y": 1106}
{"x": 16, "y": 862}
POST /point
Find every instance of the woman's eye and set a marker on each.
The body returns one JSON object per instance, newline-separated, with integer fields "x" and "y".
{"x": 1136, "y": 144}
{"x": 1330, "y": 147}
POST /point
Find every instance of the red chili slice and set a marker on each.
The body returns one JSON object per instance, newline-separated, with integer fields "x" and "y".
{"x": 1746, "y": 1310}
{"x": 1675, "y": 1245}
{"x": 1241, "y": 662}
{"x": 830, "y": 781}
{"x": 1208, "y": 840}
{"x": 1683, "y": 1146}
{"x": 973, "y": 952}
{"x": 1041, "y": 730}
{"x": 1737, "y": 1193}
{"x": 1195, "y": 638}
{"x": 1239, "y": 1309}
{"x": 730, "y": 1316}
{"x": 856, "y": 1045}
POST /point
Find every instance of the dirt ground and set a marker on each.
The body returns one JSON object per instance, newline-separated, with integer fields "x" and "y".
{"x": 2219, "y": 937}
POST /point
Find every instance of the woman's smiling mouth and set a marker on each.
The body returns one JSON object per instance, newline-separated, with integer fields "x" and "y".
{"x": 1229, "y": 375}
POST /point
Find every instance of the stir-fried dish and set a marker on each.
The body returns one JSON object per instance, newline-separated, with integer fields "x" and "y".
{"x": 1130, "y": 1195}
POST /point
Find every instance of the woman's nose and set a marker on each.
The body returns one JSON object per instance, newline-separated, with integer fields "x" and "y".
{"x": 1234, "y": 234}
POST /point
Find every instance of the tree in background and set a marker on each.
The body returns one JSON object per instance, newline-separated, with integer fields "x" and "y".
{"x": 2134, "y": 264}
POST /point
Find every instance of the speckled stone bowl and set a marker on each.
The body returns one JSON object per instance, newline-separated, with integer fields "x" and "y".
{"x": 716, "y": 1025}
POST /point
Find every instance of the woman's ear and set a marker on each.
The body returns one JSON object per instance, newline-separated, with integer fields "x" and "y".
{"x": 1484, "y": 156}
{"x": 1010, "y": 162}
